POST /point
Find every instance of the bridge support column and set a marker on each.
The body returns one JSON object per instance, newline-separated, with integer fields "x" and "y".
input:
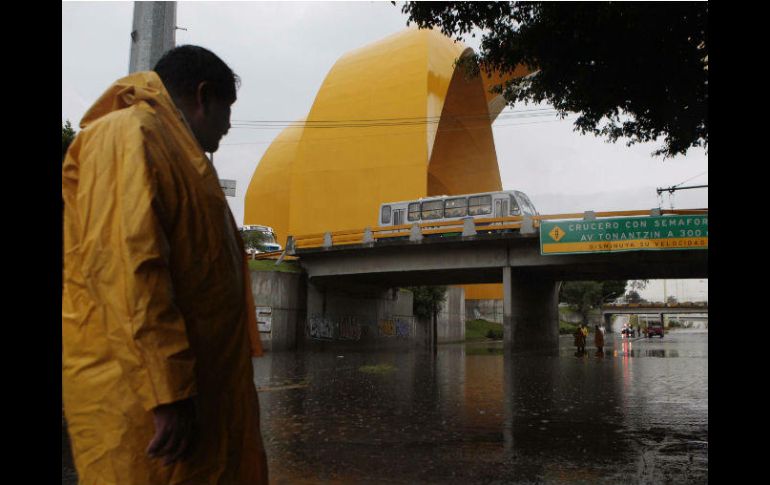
{"x": 607, "y": 322}
{"x": 530, "y": 312}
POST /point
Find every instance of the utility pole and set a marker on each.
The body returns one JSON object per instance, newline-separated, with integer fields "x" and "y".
{"x": 153, "y": 33}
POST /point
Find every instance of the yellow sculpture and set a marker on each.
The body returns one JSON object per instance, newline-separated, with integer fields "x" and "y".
{"x": 393, "y": 120}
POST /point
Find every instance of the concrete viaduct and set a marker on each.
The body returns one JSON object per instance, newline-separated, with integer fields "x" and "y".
{"x": 609, "y": 310}
{"x": 530, "y": 280}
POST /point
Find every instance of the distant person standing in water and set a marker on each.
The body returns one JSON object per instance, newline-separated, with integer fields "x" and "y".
{"x": 599, "y": 340}
{"x": 580, "y": 340}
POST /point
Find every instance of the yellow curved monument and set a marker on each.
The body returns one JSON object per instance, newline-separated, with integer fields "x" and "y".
{"x": 393, "y": 120}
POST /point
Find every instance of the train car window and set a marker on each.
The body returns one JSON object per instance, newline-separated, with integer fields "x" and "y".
{"x": 479, "y": 205}
{"x": 385, "y": 214}
{"x": 414, "y": 212}
{"x": 433, "y": 210}
{"x": 515, "y": 211}
{"x": 456, "y": 207}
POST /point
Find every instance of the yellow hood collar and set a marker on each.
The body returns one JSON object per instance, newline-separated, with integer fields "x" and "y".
{"x": 127, "y": 91}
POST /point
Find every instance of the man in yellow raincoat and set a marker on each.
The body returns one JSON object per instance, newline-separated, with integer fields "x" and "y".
{"x": 158, "y": 321}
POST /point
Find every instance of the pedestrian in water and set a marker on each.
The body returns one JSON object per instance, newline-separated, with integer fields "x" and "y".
{"x": 158, "y": 320}
{"x": 580, "y": 340}
{"x": 599, "y": 340}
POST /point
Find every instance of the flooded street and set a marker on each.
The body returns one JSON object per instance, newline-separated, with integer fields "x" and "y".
{"x": 469, "y": 415}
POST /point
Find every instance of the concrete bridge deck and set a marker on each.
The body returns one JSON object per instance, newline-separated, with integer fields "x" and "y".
{"x": 481, "y": 259}
{"x": 508, "y": 252}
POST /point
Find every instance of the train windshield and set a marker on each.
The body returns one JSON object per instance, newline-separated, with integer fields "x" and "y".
{"x": 528, "y": 206}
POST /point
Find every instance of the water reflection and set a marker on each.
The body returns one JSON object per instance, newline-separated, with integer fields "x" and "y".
{"x": 475, "y": 414}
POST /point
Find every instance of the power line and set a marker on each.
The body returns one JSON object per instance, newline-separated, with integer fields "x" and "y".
{"x": 328, "y": 125}
{"x": 386, "y": 122}
{"x": 421, "y": 119}
{"x": 680, "y": 183}
{"x": 443, "y": 130}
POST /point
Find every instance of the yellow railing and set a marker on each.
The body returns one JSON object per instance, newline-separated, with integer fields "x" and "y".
{"x": 357, "y": 236}
{"x": 271, "y": 255}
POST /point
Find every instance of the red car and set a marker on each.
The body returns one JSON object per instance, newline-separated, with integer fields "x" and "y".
{"x": 654, "y": 329}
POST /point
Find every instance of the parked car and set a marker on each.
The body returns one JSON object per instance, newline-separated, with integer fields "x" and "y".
{"x": 654, "y": 329}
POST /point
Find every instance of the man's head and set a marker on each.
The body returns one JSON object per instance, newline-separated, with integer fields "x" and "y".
{"x": 203, "y": 87}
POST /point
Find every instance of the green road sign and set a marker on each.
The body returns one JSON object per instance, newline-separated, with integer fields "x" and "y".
{"x": 625, "y": 234}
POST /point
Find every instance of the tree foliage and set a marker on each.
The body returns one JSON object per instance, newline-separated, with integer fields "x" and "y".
{"x": 638, "y": 285}
{"x": 632, "y": 70}
{"x": 613, "y": 289}
{"x": 67, "y": 135}
{"x": 427, "y": 300}
{"x": 585, "y": 295}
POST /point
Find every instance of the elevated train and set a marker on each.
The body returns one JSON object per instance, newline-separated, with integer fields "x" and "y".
{"x": 503, "y": 203}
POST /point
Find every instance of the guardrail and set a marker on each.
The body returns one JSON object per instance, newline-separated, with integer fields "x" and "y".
{"x": 270, "y": 255}
{"x": 467, "y": 226}
{"x": 686, "y": 304}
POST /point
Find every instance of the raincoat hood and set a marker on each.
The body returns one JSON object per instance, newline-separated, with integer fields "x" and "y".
{"x": 128, "y": 91}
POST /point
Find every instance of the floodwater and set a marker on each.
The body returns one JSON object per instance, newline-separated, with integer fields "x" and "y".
{"x": 469, "y": 414}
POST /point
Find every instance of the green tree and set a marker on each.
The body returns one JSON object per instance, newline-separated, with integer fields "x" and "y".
{"x": 427, "y": 300}
{"x": 638, "y": 285}
{"x": 631, "y": 70}
{"x": 426, "y": 304}
{"x": 613, "y": 289}
{"x": 67, "y": 135}
{"x": 586, "y": 295}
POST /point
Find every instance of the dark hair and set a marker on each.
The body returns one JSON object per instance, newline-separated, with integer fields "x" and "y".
{"x": 183, "y": 68}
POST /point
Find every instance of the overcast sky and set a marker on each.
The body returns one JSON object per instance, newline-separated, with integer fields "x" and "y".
{"x": 283, "y": 50}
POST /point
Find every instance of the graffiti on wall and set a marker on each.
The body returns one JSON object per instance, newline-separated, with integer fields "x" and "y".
{"x": 387, "y": 328}
{"x": 320, "y": 327}
{"x": 404, "y": 326}
{"x": 350, "y": 328}
{"x": 396, "y": 326}
{"x": 353, "y": 327}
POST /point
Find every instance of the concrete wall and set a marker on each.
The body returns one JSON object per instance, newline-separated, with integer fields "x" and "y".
{"x": 489, "y": 310}
{"x": 355, "y": 317}
{"x": 285, "y": 295}
{"x": 451, "y": 318}
{"x": 296, "y": 315}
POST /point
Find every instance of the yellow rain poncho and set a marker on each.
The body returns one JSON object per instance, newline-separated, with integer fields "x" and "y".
{"x": 156, "y": 301}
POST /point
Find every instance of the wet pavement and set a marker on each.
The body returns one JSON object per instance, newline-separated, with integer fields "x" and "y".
{"x": 469, "y": 414}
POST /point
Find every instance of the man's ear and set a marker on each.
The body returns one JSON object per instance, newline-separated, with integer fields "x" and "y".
{"x": 202, "y": 95}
